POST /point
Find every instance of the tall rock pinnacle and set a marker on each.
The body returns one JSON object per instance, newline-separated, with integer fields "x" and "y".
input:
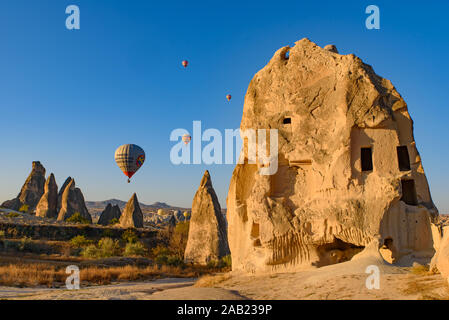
{"x": 208, "y": 239}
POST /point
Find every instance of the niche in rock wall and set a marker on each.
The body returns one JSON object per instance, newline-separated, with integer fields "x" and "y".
{"x": 283, "y": 182}
{"x": 409, "y": 192}
{"x": 366, "y": 157}
{"x": 255, "y": 235}
{"x": 403, "y": 158}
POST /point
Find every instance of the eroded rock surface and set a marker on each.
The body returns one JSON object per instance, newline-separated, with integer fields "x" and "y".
{"x": 132, "y": 216}
{"x": 31, "y": 192}
{"x": 440, "y": 262}
{"x": 348, "y": 167}
{"x": 109, "y": 214}
{"x": 73, "y": 202}
{"x": 47, "y": 206}
{"x": 61, "y": 191}
{"x": 208, "y": 231}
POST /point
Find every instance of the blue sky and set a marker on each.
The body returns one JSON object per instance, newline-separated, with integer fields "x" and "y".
{"x": 70, "y": 98}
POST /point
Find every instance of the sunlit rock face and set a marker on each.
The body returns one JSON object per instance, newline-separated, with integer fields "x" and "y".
{"x": 348, "y": 167}
{"x": 31, "y": 192}
{"x": 207, "y": 241}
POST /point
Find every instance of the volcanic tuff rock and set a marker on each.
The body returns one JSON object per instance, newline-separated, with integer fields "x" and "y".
{"x": 132, "y": 216}
{"x": 73, "y": 202}
{"x": 208, "y": 239}
{"x": 47, "y": 206}
{"x": 441, "y": 259}
{"x": 61, "y": 191}
{"x": 31, "y": 191}
{"x": 110, "y": 213}
{"x": 348, "y": 167}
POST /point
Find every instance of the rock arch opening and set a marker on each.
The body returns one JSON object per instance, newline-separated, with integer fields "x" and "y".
{"x": 335, "y": 252}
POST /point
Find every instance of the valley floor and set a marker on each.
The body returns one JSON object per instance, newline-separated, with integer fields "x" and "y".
{"x": 320, "y": 284}
{"x": 161, "y": 289}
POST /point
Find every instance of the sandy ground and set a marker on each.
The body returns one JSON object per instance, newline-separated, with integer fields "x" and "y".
{"x": 345, "y": 281}
{"x": 163, "y": 289}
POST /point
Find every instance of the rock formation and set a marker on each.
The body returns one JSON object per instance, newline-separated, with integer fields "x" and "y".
{"x": 208, "y": 239}
{"x": 178, "y": 216}
{"x": 132, "y": 216}
{"x": 73, "y": 202}
{"x": 348, "y": 168}
{"x": 440, "y": 262}
{"x": 110, "y": 213}
{"x": 172, "y": 222}
{"x": 47, "y": 206}
{"x": 31, "y": 191}
{"x": 61, "y": 191}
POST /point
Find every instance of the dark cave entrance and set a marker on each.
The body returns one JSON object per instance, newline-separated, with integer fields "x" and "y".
{"x": 403, "y": 158}
{"x": 336, "y": 252}
{"x": 367, "y": 159}
{"x": 409, "y": 192}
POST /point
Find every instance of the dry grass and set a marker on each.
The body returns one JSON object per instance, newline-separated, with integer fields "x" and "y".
{"x": 427, "y": 287}
{"x": 33, "y": 275}
{"x": 420, "y": 270}
{"x": 211, "y": 281}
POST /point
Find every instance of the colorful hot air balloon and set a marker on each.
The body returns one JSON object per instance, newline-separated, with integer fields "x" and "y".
{"x": 129, "y": 158}
{"x": 185, "y": 63}
{"x": 229, "y": 97}
{"x": 186, "y": 139}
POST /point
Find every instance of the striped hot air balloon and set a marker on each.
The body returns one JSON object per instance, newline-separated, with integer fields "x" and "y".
{"x": 185, "y": 63}
{"x": 186, "y": 139}
{"x": 229, "y": 97}
{"x": 129, "y": 158}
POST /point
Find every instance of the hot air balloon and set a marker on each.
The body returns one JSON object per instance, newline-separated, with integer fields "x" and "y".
{"x": 186, "y": 139}
{"x": 129, "y": 158}
{"x": 229, "y": 97}
{"x": 185, "y": 63}
{"x": 187, "y": 215}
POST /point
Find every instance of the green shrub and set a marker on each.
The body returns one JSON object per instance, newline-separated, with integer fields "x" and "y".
{"x": 24, "y": 208}
{"x": 174, "y": 261}
{"x": 91, "y": 251}
{"x": 160, "y": 251}
{"x": 178, "y": 238}
{"x": 135, "y": 249}
{"x": 212, "y": 264}
{"x": 226, "y": 261}
{"x": 77, "y": 218}
{"x": 80, "y": 242}
{"x": 12, "y": 214}
{"x": 129, "y": 236}
{"x": 108, "y": 247}
{"x": 26, "y": 244}
{"x": 12, "y": 232}
{"x": 114, "y": 221}
{"x": 108, "y": 233}
{"x": 105, "y": 248}
{"x": 161, "y": 259}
